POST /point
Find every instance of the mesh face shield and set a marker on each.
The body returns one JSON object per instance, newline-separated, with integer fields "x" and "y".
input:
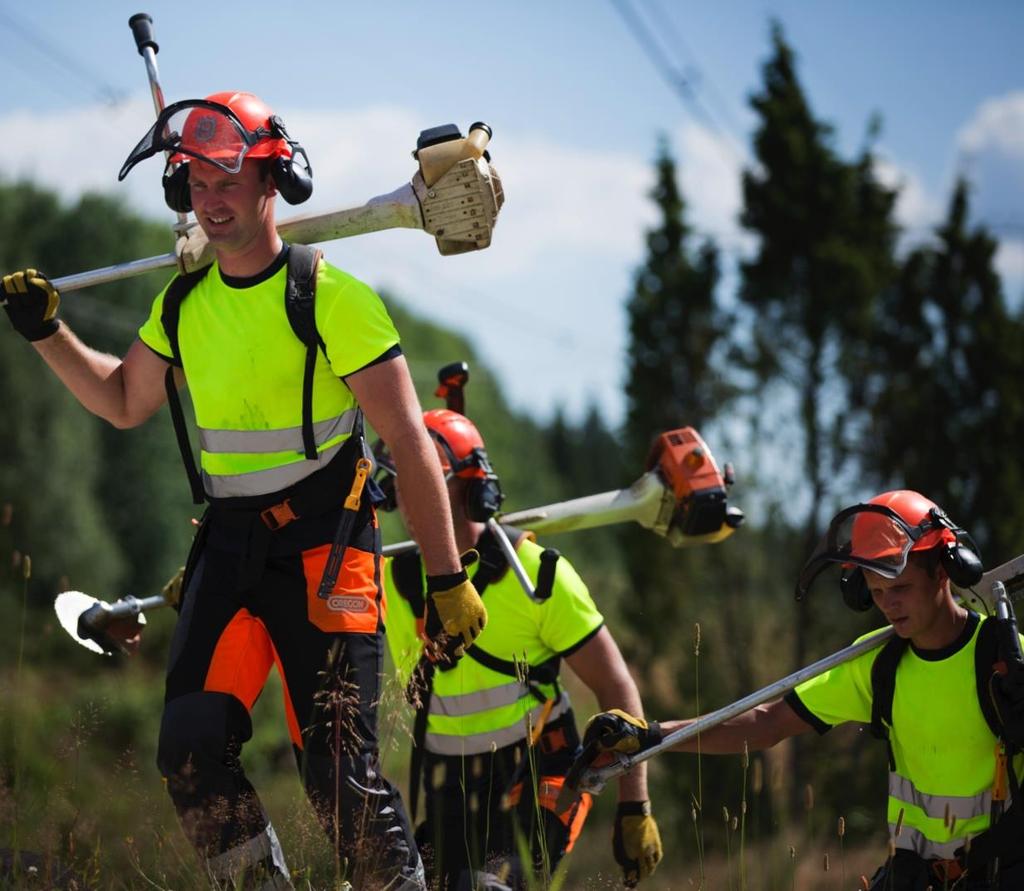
{"x": 200, "y": 129}
{"x": 873, "y": 537}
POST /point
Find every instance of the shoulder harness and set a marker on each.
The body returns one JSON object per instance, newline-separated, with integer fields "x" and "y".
{"x": 300, "y": 305}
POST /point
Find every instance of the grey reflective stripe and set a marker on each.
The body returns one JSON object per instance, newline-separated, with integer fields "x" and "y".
{"x": 477, "y": 743}
{"x": 963, "y": 807}
{"x": 470, "y": 703}
{"x": 234, "y": 862}
{"x": 263, "y": 482}
{"x": 914, "y": 840}
{"x": 262, "y": 442}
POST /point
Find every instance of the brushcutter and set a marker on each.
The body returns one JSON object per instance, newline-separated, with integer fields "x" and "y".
{"x": 1005, "y": 582}
{"x": 681, "y": 497}
{"x": 455, "y": 195}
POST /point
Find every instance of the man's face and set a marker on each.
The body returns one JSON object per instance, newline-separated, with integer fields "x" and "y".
{"x": 232, "y": 208}
{"x": 913, "y": 602}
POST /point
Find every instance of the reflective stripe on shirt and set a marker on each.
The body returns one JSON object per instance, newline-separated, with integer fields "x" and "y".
{"x": 477, "y": 743}
{"x": 262, "y": 482}
{"x": 287, "y": 439}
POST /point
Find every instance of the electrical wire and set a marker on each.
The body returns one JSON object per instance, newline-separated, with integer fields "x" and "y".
{"x": 103, "y": 90}
{"x": 681, "y": 85}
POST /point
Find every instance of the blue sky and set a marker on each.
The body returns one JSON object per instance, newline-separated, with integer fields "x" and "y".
{"x": 577, "y": 106}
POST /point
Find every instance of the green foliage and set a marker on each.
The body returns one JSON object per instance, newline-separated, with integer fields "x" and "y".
{"x": 944, "y": 385}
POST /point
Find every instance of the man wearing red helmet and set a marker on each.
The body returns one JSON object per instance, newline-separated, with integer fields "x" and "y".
{"x": 282, "y": 353}
{"x": 495, "y": 735}
{"x": 947, "y": 754}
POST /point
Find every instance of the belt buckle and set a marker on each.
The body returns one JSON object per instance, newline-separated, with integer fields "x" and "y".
{"x": 278, "y": 515}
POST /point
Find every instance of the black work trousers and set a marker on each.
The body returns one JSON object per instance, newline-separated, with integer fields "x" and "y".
{"x": 251, "y": 603}
{"x": 484, "y": 810}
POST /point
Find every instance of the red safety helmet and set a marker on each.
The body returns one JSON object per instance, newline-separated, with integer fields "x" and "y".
{"x": 459, "y": 443}
{"x": 880, "y": 535}
{"x": 463, "y": 455}
{"x": 223, "y": 129}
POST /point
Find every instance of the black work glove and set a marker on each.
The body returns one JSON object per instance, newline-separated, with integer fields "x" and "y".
{"x": 455, "y": 614}
{"x": 636, "y": 842}
{"x": 31, "y": 302}
{"x": 617, "y": 731}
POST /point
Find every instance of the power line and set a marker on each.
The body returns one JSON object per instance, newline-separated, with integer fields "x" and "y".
{"x": 667, "y": 27}
{"x": 54, "y": 53}
{"x": 680, "y": 84}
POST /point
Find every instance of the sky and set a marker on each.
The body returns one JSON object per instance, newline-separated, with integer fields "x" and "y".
{"x": 578, "y": 94}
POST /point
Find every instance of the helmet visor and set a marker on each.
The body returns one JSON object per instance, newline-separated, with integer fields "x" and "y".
{"x": 868, "y": 536}
{"x": 199, "y": 129}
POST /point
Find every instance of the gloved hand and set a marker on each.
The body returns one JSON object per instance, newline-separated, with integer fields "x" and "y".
{"x": 31, "y": 304}
{"x": 618, "y": 731}
{"x": 636, "y": 841}
{"x": 455, "y": 614}
{"x": 172, "y": 588}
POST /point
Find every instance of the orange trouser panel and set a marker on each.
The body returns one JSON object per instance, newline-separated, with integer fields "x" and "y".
{"x": 354, "y": 603}
{"x": 574, "y": 816}
{"x": 240, "y": 665}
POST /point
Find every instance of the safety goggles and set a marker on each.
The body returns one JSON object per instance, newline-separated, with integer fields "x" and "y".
{"x": 872, "y": 537}
{"x": 203, "y": 130}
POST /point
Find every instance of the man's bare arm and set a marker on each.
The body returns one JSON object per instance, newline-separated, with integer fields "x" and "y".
{"x": 599, "y": 664}
{"x": 760, "y": 728}
{"x": 124, "y": 392}
{"x": 387, "y": 397}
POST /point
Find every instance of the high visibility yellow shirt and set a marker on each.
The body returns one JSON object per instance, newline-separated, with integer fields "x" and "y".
{"x": 244, "y": 368}
{"x": 944, "y": 751}
{"x": 473, "y": 707}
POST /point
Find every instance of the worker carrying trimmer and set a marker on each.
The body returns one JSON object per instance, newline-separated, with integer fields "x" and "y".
{"x": 496, "y": 733}
{"x": 946, "y": 692}
{"x": 282, "y": 354}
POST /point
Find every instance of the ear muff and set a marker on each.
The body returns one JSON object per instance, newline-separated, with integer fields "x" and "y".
{"x": 293, "y": 182}
{"x": 483, "y": 498}
{"x": 961, "y": 562}
{"x": 176, "y": 190}
{"x": 854, "y": 588}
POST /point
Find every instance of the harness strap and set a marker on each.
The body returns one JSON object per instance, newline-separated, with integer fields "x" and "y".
{"x": 883, "y": 689}
{"x": 195, "y": 481}
{"x": 170, "y": 314}
{"x": 299, "y": 304}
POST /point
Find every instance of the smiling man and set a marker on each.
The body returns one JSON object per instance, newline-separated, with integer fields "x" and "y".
{"x": 282, "y": 354}
{"x": 920, "y": 692}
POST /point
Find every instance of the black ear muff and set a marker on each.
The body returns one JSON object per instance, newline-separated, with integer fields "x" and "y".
{"x": 483, "y": 498}
{"x": 294, "y": 182}
{"x": 854, "y": 588}
{"x": 176, "y": 191}
{"x": 962, "y": 564}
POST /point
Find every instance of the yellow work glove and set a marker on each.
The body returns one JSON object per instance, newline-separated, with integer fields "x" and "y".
{"x": 636, "y": 841}
{"x": 31, "y": 302}
{"x": 172, "y": 588}
{"x": 455, "y": 614}
{"x": 618, "y": 731}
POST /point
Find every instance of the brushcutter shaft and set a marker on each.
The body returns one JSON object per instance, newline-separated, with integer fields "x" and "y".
{"x": 513, "y": 558}
{"x": 593, "y": 779}
{"x": 142, "y": 30}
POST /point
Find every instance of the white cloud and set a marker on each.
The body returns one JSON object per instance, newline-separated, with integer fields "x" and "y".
{"x": 1010, "y": 264}
{"x": 916, "y": 208}
{"x": 992, "y": 156}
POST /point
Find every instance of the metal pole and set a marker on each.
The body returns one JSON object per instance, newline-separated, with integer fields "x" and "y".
{"x": 593, "y": 779}
{"x": 513, "y": 558}
{"x": 142, "y": 30}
